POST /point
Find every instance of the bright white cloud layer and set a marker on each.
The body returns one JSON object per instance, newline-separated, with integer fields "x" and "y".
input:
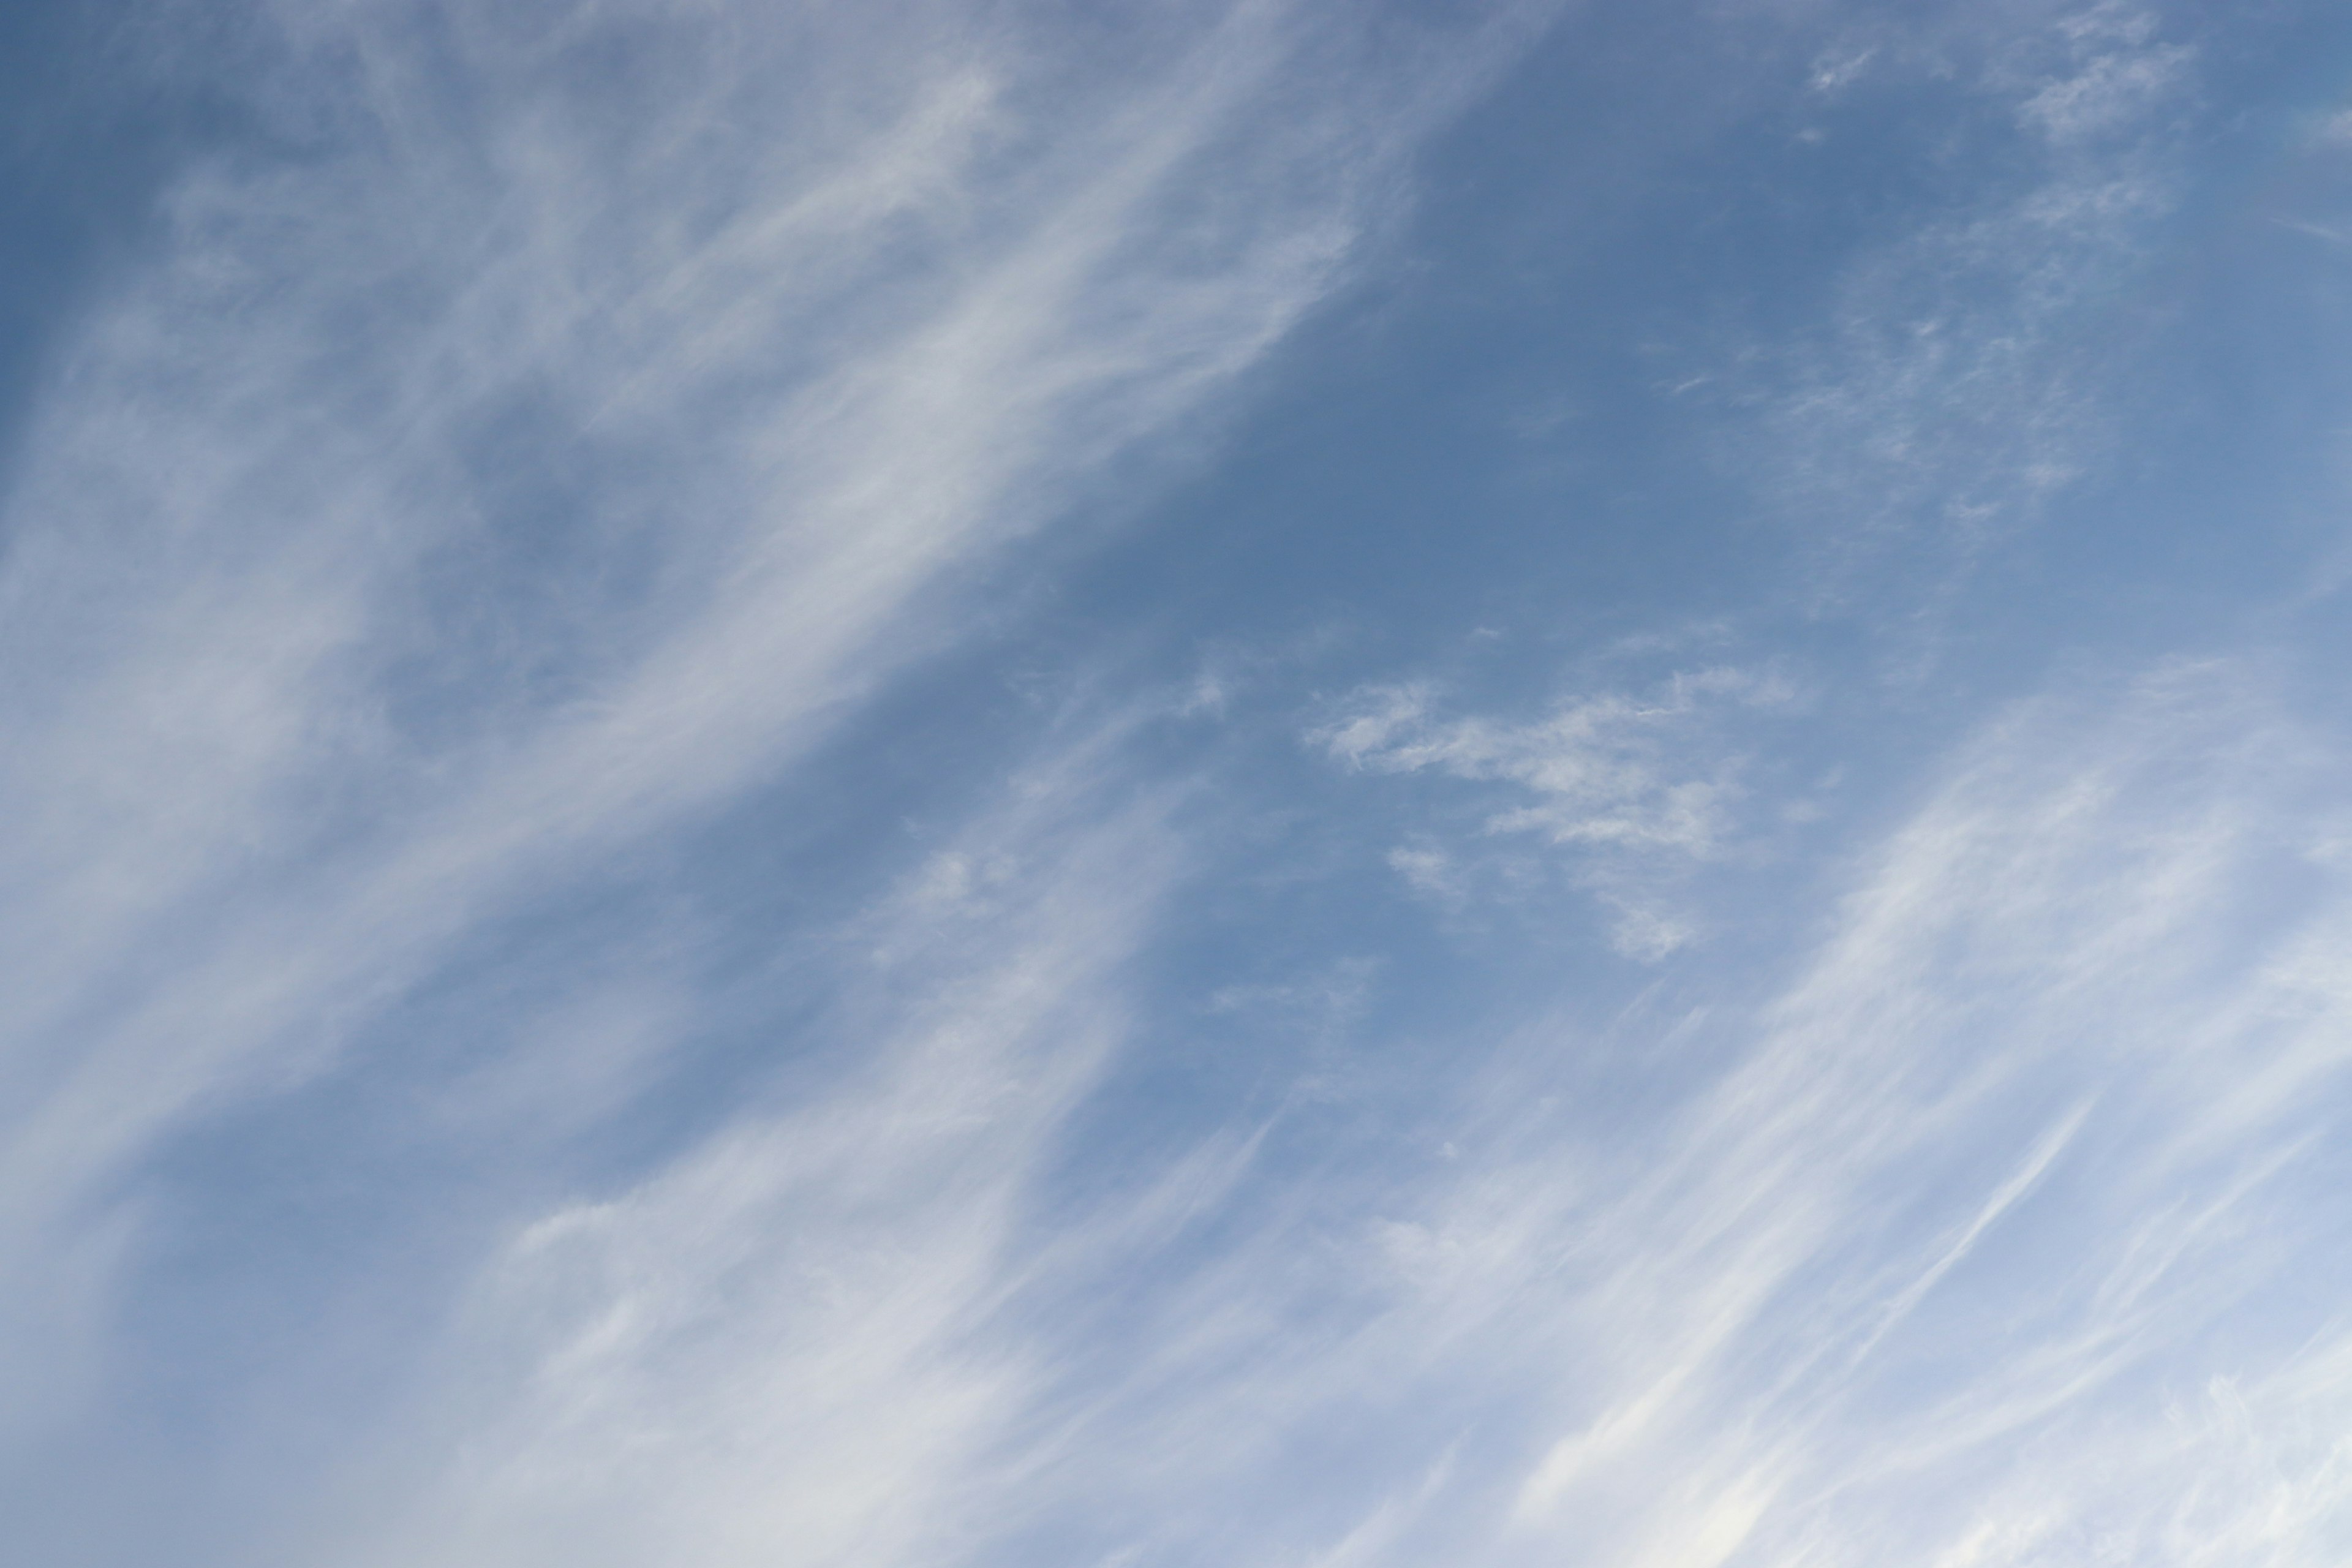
{"x": 1267, "y": 783}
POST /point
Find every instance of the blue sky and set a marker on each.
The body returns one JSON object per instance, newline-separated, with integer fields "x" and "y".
{"x": 1276, "y": 784}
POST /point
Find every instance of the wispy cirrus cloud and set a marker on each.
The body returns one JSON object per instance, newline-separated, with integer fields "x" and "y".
{"x": 442, "y": 1124}
{"x": 1934, "y": 1266}
{"x": 1964, "y": 373}
{"x": 799, "y": 1331}
{"x": 537, "y": 439}
{"x": 1638, "y": 786}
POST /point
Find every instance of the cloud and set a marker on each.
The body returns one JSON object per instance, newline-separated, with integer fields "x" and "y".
{"x": 1628, "y": 783}
{"x": 796, "y": 1332}
{"x": 561, "y": 421}
{"x": 534, "y": 442}
{"x": 1958, "y": 382}
{"x": 1921, "y": 1261}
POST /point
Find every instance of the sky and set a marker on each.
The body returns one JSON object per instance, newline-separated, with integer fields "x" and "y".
{"x": 1259, "y": 783}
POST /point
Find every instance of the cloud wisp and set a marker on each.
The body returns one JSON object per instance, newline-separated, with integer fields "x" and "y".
{"x": 1639, "y": 787}
{"x": 1963, "y": 374}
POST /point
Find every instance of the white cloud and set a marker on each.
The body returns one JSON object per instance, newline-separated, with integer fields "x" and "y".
{"x": 1924, "y": 1271}
{"x": 1947, "y": 396}
{"x": 589, "y": 404}
{"x": 1599, "y": 768}
{"x": 1928, "y": 1258}
{"x": 1639, "y": 785}
{"x": 797, "y": 1333}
